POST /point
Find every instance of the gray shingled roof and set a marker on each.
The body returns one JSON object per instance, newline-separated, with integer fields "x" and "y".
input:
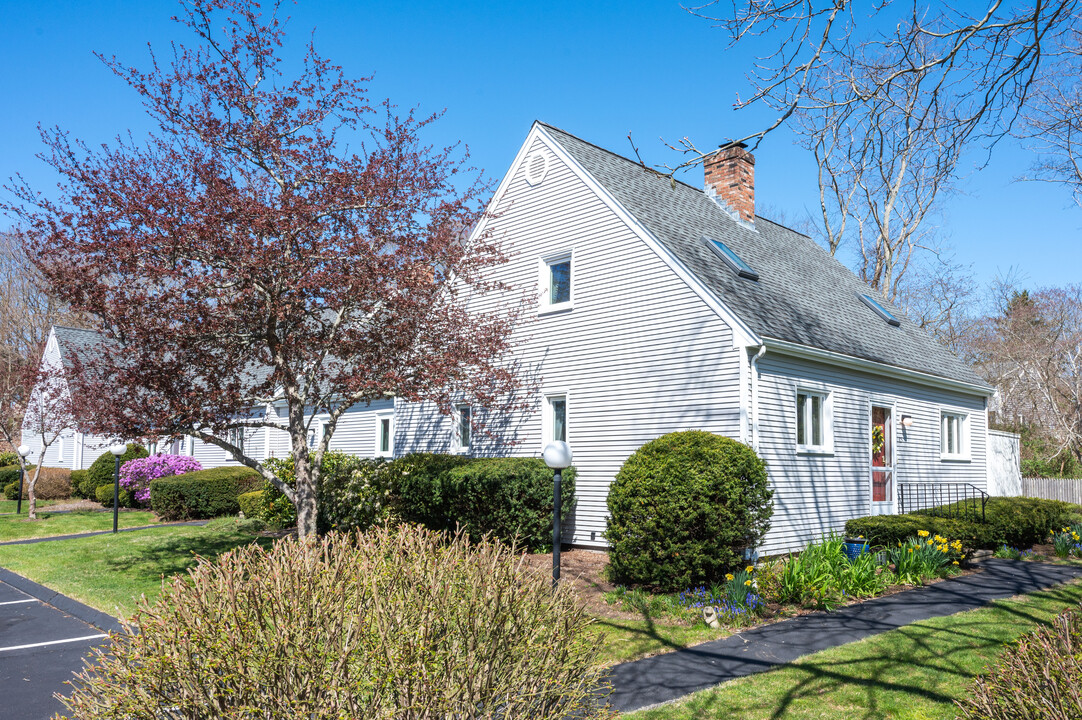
{"x": 86, "y": 344}
{"x": 803, "y": 294}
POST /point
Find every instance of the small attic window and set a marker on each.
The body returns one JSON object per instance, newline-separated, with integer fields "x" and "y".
{"x": 730, "y": 258}
{"x": 880, "y": 310}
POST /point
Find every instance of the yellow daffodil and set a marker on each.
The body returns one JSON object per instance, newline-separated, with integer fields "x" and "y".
{"x": 955, "y": 562}
{"x": 749, "y": 569}
{"x": 748, "y": 583}
{"x": 922, "y": 533}
{"x": 910, "y": 549}
{"x": 728, "y": 576}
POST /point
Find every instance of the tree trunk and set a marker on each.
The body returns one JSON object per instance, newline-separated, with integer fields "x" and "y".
{"x": 32, "y": 513}
{"x": 306, "y": 499}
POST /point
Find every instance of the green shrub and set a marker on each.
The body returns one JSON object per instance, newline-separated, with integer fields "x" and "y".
{"x": 11, "y": 491}
{"x": 889, "y": 530}
{"x": 8, "y": 457}
{"x": 422, "y": 491}
{"x": 102, "y": 470}
{"x": 1024, "y": 521}
{"x": 1036, "y": 678}
{"x": 250, "y": 503}
{"x": 354, "y": 493}
{"x": 275, "y": 508}
{"x": 1013, "y": 521}
{"x": 508, "y": 498}
{"x": 925, "y": 557}
{"x": 78, "y": 478}
{"x": 202, "y": 494}
{"x": 385, "y": 624}
{"x": 10, "y": 474}
{"x": 104, "y": 495}
{"x": 683, "y": 509}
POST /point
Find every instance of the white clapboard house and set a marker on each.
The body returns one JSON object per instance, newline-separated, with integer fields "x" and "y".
{"x": 661, "y": 306}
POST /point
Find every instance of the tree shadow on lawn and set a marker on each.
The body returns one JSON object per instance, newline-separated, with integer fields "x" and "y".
{"x": 172, "y": 555}
{"x": 921, "y": 664}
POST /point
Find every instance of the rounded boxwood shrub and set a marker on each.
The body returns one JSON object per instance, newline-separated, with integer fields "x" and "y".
{"x": 391, "y": 623}
{"x": 250, "y": 503}
{"x": 101, "y": 471}
{"x": 683, "y": 508}
{"x": 104, "y": 495}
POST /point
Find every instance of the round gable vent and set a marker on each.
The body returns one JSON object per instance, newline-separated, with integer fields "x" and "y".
{"x": 537, "y": 166}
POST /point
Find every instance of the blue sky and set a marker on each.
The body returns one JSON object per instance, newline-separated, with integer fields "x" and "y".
{"x": 597, "y": 69}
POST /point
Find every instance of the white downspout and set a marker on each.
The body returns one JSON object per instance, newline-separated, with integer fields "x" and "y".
{"x": 755, "y": 397}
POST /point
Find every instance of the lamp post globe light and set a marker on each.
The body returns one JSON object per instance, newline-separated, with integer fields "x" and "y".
{"x": 557, "y": 456}
{"x": 24, "y": 451}
{"x": 117, "y": 450}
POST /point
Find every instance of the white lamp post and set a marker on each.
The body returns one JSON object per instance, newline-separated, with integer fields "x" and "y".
{"x": 117, "y": 450}
{"x": 24, "y": 451}
{"x": 557, "y": 456}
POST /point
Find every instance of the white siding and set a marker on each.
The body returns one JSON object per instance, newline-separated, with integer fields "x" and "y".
{"x": 640, "y": 354}
{"x": 814, "y": 494}
{"x": 355, "y": 435}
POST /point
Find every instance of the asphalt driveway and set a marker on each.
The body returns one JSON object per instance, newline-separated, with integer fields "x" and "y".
{"x": 43, "y": 640}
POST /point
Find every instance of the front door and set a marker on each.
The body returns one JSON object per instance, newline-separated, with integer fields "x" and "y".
{"x": 882, "y": 457}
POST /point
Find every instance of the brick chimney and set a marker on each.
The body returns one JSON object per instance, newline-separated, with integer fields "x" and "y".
{"x": 730, "y": 178}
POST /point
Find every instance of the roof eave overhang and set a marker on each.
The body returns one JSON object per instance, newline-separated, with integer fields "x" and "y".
{"x": 806, "y": 352}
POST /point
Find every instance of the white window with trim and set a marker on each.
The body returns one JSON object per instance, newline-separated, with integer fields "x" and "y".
{"x": 814, "y": 421}
{"x": 316, "y": 431}
{"x": 557, "y": 282}
{"x": 554, "y": 419}
{"x": 385, "y": 434}
{"x": 235, "y": 437}
{"x": 953, "y": 435}
{"x": 463, "y": 418}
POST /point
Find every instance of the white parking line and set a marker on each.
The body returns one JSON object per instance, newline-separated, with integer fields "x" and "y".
{"x": 53, "y": 642}
{"x": 16, "y": 602}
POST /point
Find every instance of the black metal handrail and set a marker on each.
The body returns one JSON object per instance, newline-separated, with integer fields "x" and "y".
{"x": 949, "y": 500}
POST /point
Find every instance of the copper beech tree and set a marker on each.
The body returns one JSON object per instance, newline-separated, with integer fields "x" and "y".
{"x": 273, "y": 241}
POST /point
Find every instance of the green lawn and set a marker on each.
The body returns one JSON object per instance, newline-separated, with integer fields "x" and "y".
{"x": 9, "y": 506}
{"x": 110, "y": 572}
{"x": 18, "y": 527}
{"x": 913, "y": 673}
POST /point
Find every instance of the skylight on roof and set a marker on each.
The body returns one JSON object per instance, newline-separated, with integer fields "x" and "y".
{"x": 880, "y": 310}
{"x": 730, "y": 258}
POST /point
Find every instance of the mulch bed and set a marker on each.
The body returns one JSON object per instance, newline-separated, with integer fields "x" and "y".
{"x": 584, "y": 570}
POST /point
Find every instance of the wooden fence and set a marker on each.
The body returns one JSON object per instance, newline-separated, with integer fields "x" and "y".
{"x": 1053, "y": 489}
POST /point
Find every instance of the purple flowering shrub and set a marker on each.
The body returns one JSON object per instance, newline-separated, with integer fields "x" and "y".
{"x": 136, "y": 475}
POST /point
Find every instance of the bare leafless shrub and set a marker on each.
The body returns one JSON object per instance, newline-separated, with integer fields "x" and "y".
{"x": 1039, "y": 678}
{"x": 393, "y": 623}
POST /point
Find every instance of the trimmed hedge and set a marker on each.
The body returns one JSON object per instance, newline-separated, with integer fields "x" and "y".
{"x": 683, "y": 508}
{"x": 8, "y": 457}
{"x": 104, "y": 495}
{"x": 1014, "y": 521}
{"x": 423, "y": 491}
{"x": 250, "y": 503}
{"x": 507, "y": 498}
{"x": 889, "y": 530}
{"x": 202, "y": 494}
